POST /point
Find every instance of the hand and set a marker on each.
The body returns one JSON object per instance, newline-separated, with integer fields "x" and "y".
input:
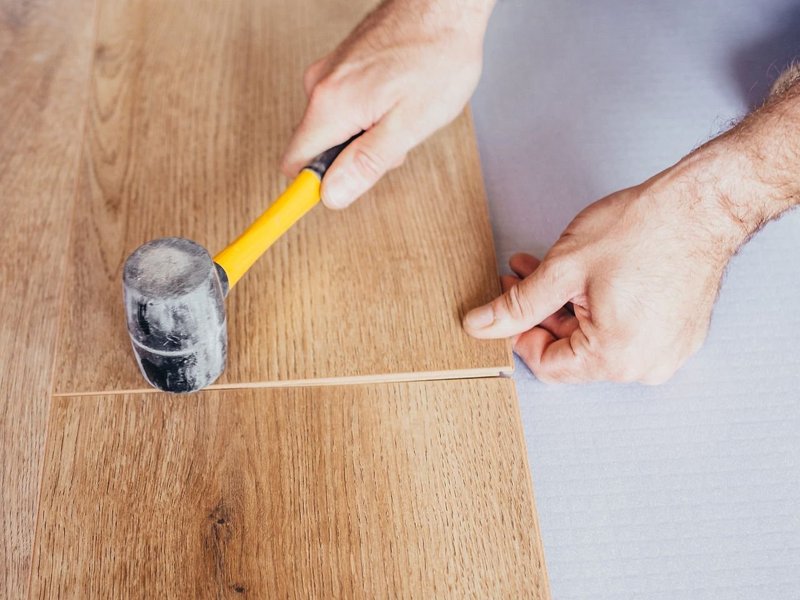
{"x": 407, "y": 70}
{"x": 626, "y": 293}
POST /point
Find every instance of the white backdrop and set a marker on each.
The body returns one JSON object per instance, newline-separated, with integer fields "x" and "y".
{"x": 692, "y": 489}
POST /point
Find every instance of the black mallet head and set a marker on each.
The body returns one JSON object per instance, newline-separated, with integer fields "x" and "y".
{"x": 175, "y": 310}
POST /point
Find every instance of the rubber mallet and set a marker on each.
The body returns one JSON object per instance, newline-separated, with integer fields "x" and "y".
{"x": 174, "y": 292}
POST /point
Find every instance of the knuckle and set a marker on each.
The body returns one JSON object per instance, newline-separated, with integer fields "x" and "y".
{"x": 369, "y": 162}
{"x": 560, "y": 264}
{"x": 560, "y": 268}
{"x": 516, "y": 303}
{"x": 311, "y": 73}
{"x": 323, "y": 93}
{"x": 549, "y": 269}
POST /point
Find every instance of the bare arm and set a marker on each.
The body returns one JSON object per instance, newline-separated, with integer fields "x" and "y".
{"x": 640, "y": 269}
{"x": 761, "y": 179}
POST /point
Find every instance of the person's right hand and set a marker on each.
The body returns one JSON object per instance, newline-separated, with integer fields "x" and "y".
{"x": 408, "y": 69}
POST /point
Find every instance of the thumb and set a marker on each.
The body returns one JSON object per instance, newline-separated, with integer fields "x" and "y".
{"x": 527, "y": 304}
{"x": 362, "y": 164}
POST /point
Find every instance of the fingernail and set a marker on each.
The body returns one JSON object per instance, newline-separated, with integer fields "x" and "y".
{"x": 480, "y": 317}
{"x": 338, "y": 190}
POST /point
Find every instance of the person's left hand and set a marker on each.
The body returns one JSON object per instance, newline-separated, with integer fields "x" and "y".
{"x": 627, "y": 291}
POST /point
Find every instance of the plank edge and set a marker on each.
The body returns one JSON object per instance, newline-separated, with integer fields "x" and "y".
{"x": 483, "y": 373}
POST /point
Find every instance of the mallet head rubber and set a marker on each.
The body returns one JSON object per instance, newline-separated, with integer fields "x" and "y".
{"x": 175, "y": 310}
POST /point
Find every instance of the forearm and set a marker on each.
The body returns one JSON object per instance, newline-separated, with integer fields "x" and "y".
{"x": 433, "y": 15}
{"x": 769, "y": 139}
{"x": 755, "y": 167}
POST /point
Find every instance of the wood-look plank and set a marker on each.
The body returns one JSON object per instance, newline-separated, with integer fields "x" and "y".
{"x": 45, "y": 55}
{"x": 388, "y": 490}
{"x": 193, "y": 103}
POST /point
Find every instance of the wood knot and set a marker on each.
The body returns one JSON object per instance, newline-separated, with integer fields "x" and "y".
{"x": 220, "y": 518}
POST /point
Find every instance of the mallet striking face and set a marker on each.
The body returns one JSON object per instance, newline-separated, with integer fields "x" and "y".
{"x": 174, "y": 292}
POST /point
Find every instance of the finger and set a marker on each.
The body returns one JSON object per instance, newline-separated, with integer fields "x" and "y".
{"x": 363, "y": 163}
{"x": 561, "y": 323}
{"x": 328, "y": 120}
{"x": 523, "y": 264}
{"x": 526, "y": 304}
{"x": 553, "y": 360}
{"x": 507, "y": 282}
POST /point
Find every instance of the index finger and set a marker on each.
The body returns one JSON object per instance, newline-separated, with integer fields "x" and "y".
{"x": 326, "y": 123}
{"x": 554, "y": 360}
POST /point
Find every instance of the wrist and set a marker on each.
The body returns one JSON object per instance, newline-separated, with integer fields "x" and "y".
{"x": 751, "y": 174}
{"x": 467, "y": 16}
{"x": 726, "y": 183}
{"x": 702, "y": 194}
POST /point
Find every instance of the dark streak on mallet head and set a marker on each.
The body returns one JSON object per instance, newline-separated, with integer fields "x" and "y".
{"x": 175, "y": 309}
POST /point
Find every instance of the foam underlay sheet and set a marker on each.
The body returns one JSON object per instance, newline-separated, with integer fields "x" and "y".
{"x": 691, "y": 489}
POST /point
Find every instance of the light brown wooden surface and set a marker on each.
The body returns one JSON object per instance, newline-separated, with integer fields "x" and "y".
{"x": 45, "y": 52}
{"x": 192, "y": 105}
{"x": 389, "y": 490}
{"x": 418, "y": 488}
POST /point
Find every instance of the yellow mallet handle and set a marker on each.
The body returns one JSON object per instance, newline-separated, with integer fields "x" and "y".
{"x": 299, "y": 198}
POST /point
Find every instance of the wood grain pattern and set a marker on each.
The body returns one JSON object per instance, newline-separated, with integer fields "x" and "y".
{"x": 45, "y": 51}
{"x": 193, "y": 102}
{"x": 390, "y": 490}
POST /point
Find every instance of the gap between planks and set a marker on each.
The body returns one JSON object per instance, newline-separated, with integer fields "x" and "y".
{"x": 488, "y": 373}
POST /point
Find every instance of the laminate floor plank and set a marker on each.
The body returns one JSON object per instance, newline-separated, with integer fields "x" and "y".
{"x": 45, "y": 55}
{"x": 366, "y": 491}
{"x": 193, "y": 103}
